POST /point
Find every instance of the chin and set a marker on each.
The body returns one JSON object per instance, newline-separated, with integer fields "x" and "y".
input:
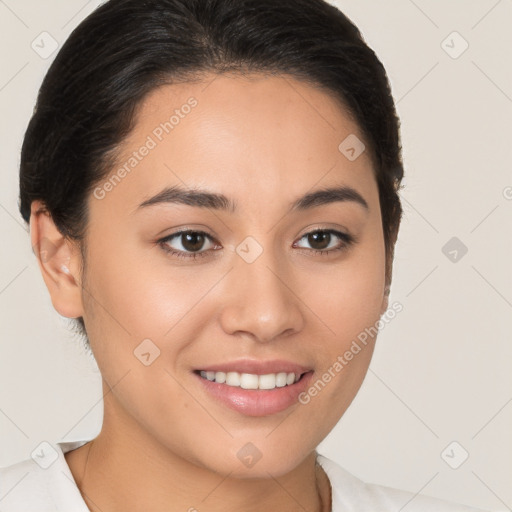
{"x": 247, "y": 461}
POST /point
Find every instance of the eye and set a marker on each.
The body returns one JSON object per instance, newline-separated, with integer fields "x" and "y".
{"x": 322, "y": 241}
{"x": 188, "y": 240}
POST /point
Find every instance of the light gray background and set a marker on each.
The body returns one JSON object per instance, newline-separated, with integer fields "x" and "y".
{"x": 442, "y": 368}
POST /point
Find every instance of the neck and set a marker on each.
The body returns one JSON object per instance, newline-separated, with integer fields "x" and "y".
{"x": 124, "y": 469}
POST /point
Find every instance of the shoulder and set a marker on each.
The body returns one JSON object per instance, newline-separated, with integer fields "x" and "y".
{"x": 41, "y": 483}
{"x": 352, "y": 494}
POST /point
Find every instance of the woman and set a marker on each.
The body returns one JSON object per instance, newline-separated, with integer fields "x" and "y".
{"x": 212, "y": 192}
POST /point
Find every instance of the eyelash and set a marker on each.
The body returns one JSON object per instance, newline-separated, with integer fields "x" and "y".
{"x": 346, "y": 238}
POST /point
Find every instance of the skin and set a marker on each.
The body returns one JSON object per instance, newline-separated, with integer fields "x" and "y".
{"x": 165, "y": 444}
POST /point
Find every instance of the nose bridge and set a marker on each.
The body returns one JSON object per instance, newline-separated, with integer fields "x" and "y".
{"x": 262, "y": 303}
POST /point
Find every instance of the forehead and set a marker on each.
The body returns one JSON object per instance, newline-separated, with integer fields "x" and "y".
{"x": 256, "y": 136}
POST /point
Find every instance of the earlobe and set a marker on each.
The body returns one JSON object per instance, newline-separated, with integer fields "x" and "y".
{"x": 59, "y": 262}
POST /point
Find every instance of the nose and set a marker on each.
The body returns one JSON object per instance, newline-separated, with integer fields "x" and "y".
{"x": 261, "y": 299}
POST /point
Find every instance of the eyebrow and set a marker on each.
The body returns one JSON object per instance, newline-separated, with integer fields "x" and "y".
{"x": 203, "y": 199}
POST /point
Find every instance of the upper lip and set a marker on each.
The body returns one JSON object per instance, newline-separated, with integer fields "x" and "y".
{"x": 257, "y": 367}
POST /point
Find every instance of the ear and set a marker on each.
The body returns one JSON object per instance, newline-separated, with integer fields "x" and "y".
{"x": 59, "y": 261}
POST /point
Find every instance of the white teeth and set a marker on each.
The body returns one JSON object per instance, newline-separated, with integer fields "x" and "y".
{"x": 281, "y": 380}
{"x": 267, "y": 381}
{"x": 251, "y": 380}
{"x": 233, "y": 379}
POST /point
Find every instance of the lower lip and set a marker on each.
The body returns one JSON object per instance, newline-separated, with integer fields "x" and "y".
{"x": 256, "y": 402}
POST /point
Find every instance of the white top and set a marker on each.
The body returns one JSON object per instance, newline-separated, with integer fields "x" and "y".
{"x": 44, "y": 483}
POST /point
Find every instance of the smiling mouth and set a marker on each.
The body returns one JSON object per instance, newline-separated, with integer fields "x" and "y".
{"x": 251, "y": 380}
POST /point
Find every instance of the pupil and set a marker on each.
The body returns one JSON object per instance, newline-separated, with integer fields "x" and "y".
{"x": 193, "y": 241}
{"x": 323, "y": 236}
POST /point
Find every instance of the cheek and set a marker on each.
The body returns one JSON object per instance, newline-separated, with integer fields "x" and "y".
{"x": 345, "y": 349}
{"x": 348, "y": 297}
{"x": 349, "y": 304}
{"x": 137, "y": 294}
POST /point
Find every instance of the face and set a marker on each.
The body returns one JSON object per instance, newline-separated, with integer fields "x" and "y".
{"x": 250, "y": 283}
